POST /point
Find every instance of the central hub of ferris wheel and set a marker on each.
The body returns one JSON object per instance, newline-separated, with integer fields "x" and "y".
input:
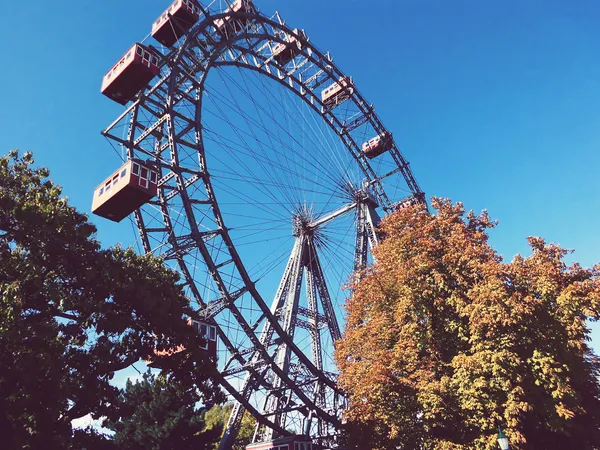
{"x": 302, "y": 219}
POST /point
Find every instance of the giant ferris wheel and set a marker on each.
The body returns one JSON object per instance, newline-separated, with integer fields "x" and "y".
{"x": 260, "y": 173}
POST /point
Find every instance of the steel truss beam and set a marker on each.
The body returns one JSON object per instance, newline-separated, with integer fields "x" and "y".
{"x": 367, "y": 221}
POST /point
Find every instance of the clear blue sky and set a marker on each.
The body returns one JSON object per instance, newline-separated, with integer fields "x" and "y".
{"x": 495, "y": 104}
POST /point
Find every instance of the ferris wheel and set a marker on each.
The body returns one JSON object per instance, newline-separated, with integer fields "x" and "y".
{"x": 255, "y": 168}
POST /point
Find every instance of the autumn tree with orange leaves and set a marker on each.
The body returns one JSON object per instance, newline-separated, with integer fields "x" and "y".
{"x": 445, "y": 342}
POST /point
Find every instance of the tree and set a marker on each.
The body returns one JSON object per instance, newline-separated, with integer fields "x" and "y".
{"x": 445, "y": 342}
{"x": 160, "y": 414}
{"x": 71, "y": 314}
{"x": 216, "y": 419}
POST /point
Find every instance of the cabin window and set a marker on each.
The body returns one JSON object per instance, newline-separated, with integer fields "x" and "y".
{"x": 128, "y": 55}
{"x": 203, "y": 330}
{"x": 153, "y": 177}
{"x": 123, "y": 173}
{"x": 139, "y": 50}
{"x": 136, "y": 169}
{"x": 213, "y": 333}
{"x": 100, "y": 192}
{"x": 144, "y": 173}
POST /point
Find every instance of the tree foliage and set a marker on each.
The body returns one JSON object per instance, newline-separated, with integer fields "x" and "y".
{"x": 216, "y": 419}
{"x": 160, "y": 414}
{"x": 72, "y": 313}
{"x": 445, "y": 342}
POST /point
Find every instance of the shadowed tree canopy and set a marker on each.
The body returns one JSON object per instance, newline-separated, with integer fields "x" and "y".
{"x": 445, "y": 342}
{"x": 72, "y": 313}
{"x": 160, "y": 414}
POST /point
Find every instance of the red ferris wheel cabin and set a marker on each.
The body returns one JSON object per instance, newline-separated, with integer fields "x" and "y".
{"x": 133, "y": 71}
{"x": 405, "y": 203}
{"x": 175, "y": 21}
{"x": 284, "y": 52}
{"x": 229, "y": 22}
{"x": 378, "y": 145}
{"x": 338, "y": 92}
{"x": 296, "y": 442}
{"x": 133, "y": 185}
{"x": 208, "y": 332}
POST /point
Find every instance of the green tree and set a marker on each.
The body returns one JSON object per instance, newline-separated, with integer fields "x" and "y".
{"x": 72, "y": 313}
{"x": 216, "y": 419}
{"x": 445, "y": 342}
{"x": 160, "y": 414}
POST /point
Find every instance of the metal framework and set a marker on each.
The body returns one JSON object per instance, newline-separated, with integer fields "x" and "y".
{"x": 263, "y": 365}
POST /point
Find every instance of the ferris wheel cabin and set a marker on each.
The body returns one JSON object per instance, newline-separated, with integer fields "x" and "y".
{"x": 296, "y": 442}
{"x": 284, "y": 52}
{"x": 378, "y": 145}
{"x": 133, "y": 185}
{"x": 175, "y": 21}
{"x": 129, "y": 76}
{"x": 207, "y": 331}
{"x": 337, "y": 93}
{"x": 404, "y": 203}
{"x": 229, "y": 23}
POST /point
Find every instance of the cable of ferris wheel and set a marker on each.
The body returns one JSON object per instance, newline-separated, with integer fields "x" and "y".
{"x": 237, "y": 132}
{"x": 294, "y": 101}
{"x": 240, "y": 196}
{"x": 260, "y": 116}
{"x": 315, "y": 144}
{"x": 272, "y": 174}
{"x": 267, "y": 183}
{"x": 247, "y": 178}
{"x": 311, "y": 161}
{"x": 256, "y": 269}
{"x": 328, "y": 139}
{"x": 277, "y": 165}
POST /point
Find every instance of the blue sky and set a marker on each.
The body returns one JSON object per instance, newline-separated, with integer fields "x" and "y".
{"x": 494, "y": 104}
